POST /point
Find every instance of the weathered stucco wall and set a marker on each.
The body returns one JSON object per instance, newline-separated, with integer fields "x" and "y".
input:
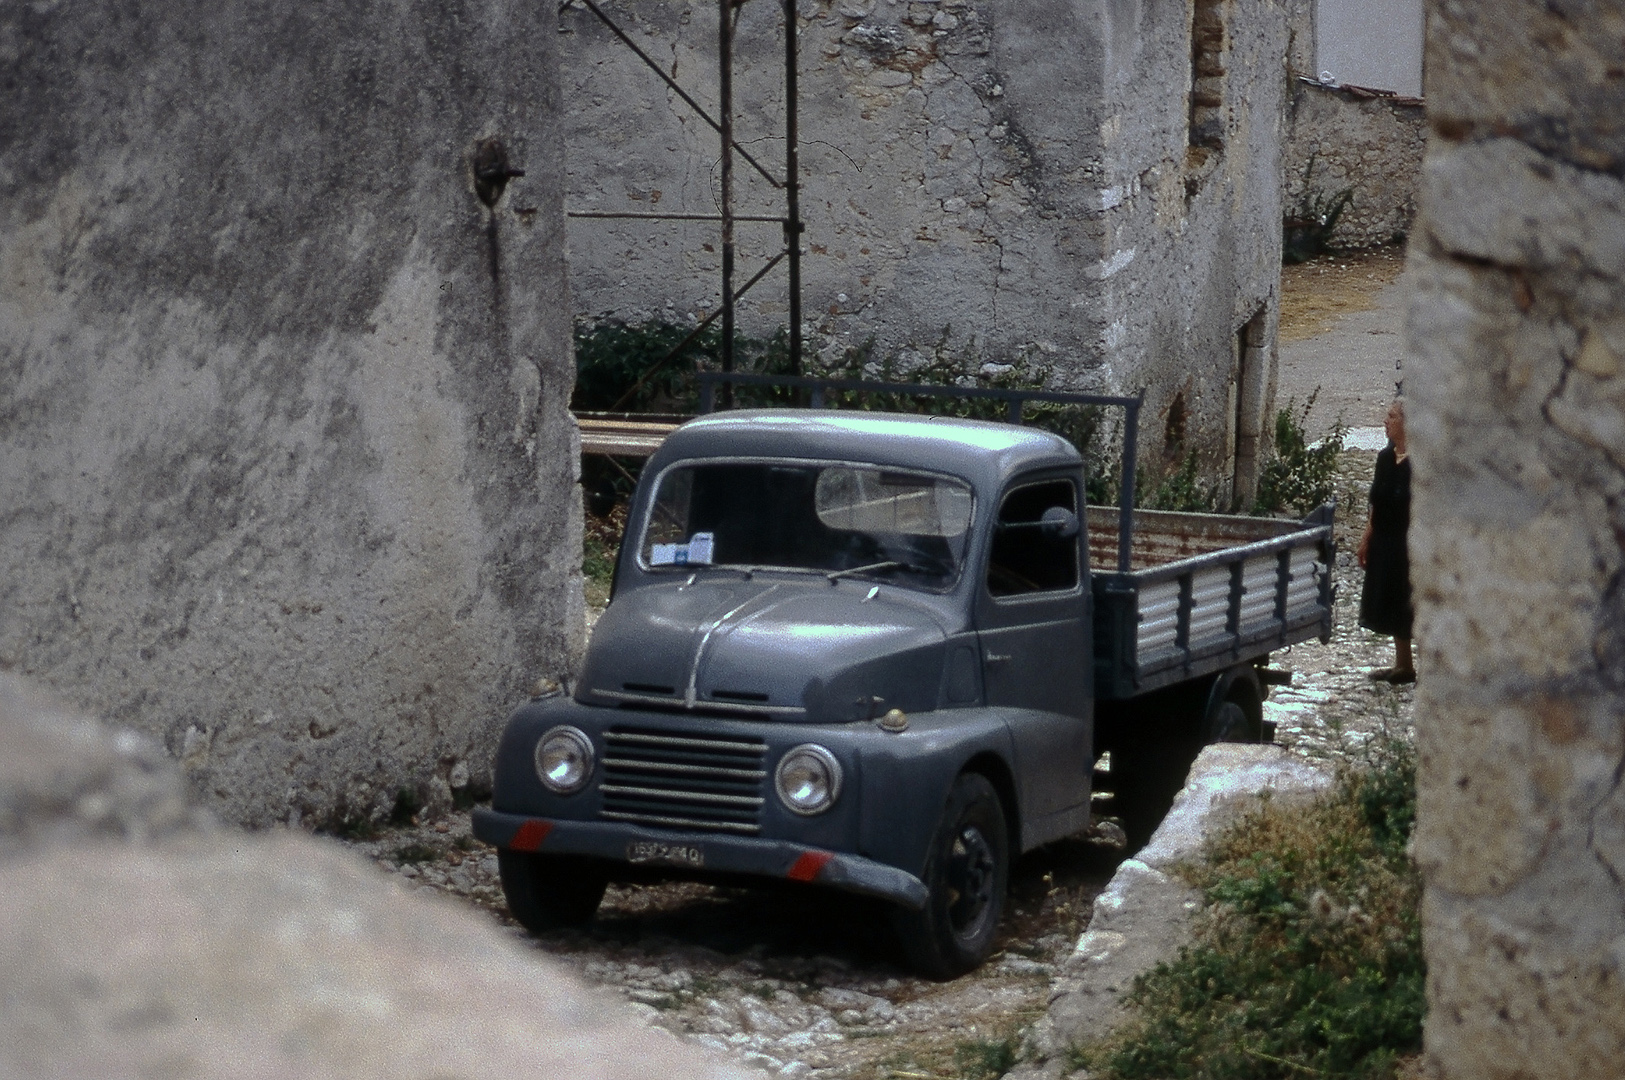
{"x": 1371, "y": 147}
{"x": 286, "y": 472}
{"x": 1014, "y": 180}
{"x": 1517, "y": 423}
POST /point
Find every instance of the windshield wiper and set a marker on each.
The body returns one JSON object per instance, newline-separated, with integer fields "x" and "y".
{"x": 889, "y": 564}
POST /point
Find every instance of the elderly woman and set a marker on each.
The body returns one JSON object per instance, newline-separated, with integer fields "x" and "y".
{"x": 1385, "y": 605}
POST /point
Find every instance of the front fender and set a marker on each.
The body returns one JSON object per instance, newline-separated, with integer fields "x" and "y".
{"x": 907, "y": 778}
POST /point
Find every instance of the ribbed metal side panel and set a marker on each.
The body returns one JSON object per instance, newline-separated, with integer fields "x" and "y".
{"x": 1304, "y": 589}
{"x": 1210, "y": 602}
{"x": 683, "y": 780}
{"x": 1258, "y": 580}
{"x": 1159, "y": 617}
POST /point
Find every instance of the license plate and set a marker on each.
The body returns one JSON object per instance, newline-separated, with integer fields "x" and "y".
{"x": 653, "y": 851}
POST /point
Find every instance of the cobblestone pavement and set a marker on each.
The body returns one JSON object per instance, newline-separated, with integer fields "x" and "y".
{"x": 1333, "y": 710}
{"x": 804, "y": 983}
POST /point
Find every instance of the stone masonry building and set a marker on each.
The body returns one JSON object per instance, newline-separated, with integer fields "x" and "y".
{"x": 1356, "y": 123}
{"x": 1093, "y": 187}
{"x": 1517, "y": 424}
{"x": 287, "y": 477}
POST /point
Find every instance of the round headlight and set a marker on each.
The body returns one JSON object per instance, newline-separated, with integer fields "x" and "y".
{"x": 808, "y": 779}
{"x": 564, "y": 759}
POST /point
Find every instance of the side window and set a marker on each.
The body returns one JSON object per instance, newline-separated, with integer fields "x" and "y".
{"x": 1035, "y": 542}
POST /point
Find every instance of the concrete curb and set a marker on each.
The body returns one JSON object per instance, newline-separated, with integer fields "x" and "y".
{"x": 1145, "y": 914}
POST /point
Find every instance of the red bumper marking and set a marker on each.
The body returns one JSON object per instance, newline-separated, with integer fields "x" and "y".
{"x": 807, "y": 866}
{"x": 530, "y": 835}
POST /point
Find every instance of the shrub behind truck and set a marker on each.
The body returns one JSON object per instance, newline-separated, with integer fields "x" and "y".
{"x": 866, "y": 652}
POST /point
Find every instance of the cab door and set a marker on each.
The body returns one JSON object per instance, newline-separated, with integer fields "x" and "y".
{"x": 1033, "y": 625}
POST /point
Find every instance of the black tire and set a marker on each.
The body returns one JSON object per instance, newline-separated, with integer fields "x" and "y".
{"x": 1229, "y": 723}
{"x": 551, "y": 892}
{"x": 967, "y": 871}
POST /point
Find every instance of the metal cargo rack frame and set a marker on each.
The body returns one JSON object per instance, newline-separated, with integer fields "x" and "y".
{"x": 818, "y": 389}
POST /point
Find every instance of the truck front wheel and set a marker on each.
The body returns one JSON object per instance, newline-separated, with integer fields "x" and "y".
{"x": 967, "y": 871}
{"x": 550, "y": 892}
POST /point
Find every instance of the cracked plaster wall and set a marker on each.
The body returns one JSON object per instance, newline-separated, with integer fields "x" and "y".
{"x": 287, "y": 476}
{"x": 1011, "y": 179}
{"x": 1517, "y": 423}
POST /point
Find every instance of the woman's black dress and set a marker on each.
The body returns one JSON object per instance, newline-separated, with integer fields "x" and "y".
{"x": 1385, "y": 605}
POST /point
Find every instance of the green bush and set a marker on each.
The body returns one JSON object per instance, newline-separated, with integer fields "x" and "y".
{"x": 630, "y": 367}
{"x": 1308, "y": 961}
{"x": 1299, "y": 476}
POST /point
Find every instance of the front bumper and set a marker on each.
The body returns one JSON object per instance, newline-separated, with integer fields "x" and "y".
{"x": 724, "y": 854}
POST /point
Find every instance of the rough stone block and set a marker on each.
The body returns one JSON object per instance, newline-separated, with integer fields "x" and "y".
{"x": 138, "y": 942}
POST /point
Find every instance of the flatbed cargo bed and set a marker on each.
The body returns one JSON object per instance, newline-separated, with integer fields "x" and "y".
{"x": 1203, "y": 592}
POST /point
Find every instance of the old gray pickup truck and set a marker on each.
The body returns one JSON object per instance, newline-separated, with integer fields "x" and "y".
{"x": 867, "y": 652}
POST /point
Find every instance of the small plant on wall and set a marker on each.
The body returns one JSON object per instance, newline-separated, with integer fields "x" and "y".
{"x": 1307, "y": 230}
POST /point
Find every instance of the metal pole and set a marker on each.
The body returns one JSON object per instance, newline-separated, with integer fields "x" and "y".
{"x": 725, "y": 63}
{"x": 1125, "y": 498}
{"x": 792, "y": 185}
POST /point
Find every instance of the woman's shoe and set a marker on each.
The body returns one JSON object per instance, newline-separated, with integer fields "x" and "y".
{"x": 1399, "y": 676}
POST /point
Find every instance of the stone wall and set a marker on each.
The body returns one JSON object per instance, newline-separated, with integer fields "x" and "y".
{"x": 141, "y": 939}
{"x": 1372, "y": 147}
{"x": 1517, "y": 424}
{"x": 286, "y": 472}
{"x": 1002, "y": 180}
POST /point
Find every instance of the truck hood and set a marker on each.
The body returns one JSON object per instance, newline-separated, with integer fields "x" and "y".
{"x": 790, "y": 650}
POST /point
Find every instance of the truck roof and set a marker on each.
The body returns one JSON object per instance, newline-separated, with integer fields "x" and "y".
{"x": 978, "y": 450}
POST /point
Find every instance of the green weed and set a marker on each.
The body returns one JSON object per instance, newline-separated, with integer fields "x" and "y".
{"x": 600, "y": 540}
{"x": 407, "y": 805}
{"x": 1308, "y": 961}
{"x": 1307, "y": 230}
{"x": 415, "y": 852}
{"x": 985, "y": 1059}
{"x": 350, "y": 826}
{"x": 1298, "y": 476}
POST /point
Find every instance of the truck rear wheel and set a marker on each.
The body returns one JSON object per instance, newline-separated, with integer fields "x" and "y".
{"x": 550, "y": 892}
{"x": 967, "y": 871}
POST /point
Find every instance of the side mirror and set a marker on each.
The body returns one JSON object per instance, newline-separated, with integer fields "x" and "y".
{"x": 1059, "y": 522}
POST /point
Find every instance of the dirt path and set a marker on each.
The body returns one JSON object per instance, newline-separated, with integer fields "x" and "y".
{"x": 1341, "y": 337}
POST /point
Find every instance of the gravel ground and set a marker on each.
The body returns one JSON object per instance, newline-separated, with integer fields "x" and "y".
{"x": 797, "y": 982}
{"x": 803, "y": 983}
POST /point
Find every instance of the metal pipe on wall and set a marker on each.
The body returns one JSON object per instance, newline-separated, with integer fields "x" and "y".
{"x": 725, "y": 61}
{"x": 792, "y": 185}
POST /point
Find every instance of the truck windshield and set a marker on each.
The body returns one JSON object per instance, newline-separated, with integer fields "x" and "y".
{"x": 855, "y": 520}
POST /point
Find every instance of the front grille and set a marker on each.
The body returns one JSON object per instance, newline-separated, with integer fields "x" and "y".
{"x": 683, "y": 780}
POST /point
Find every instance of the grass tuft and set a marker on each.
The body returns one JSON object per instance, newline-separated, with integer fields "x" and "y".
{"x": 1308, "y": 961}
{"x": 985, "y": 1059}
{"x": 415, "y": 852}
